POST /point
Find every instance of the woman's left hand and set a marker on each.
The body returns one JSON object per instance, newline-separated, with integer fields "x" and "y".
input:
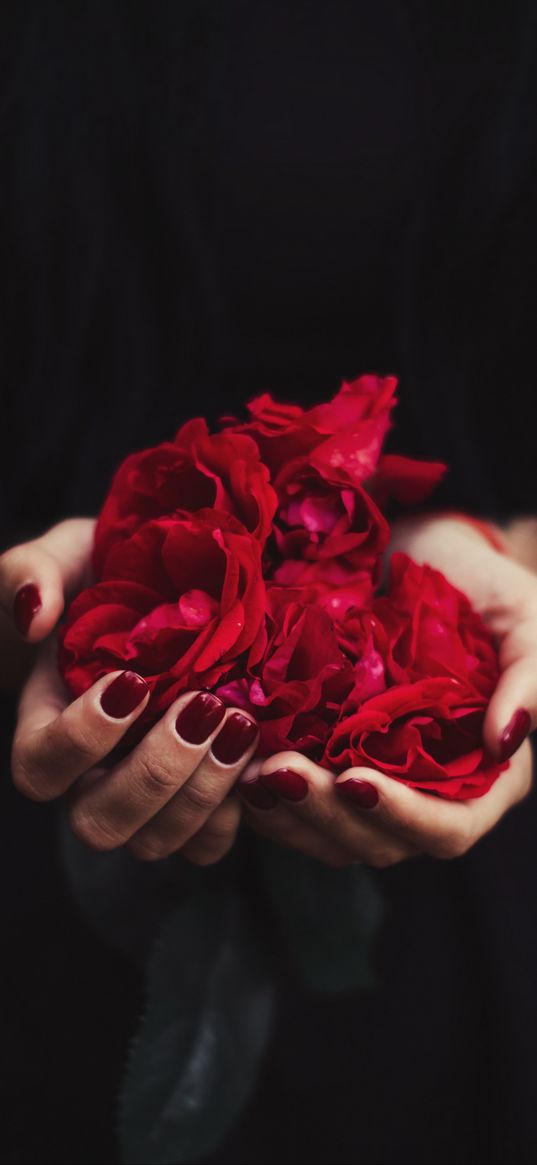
{"x": 367, "y": 817}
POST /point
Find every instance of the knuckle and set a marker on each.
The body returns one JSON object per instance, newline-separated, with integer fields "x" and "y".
{"x": 76, "y": 739}
{"x": 90, "y": 830}
{"x": 218, "y": 832}
{"x": 26, "y": 775}
{"x": 155, "y": 777}
{"x": 199, "y": 798}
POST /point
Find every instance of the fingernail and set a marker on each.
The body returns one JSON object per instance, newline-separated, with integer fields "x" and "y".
{"x": 361, "y": 793}
{"x": 124, "y": 695}
{"x": 257, "y": 795}
{"x": 516, "y": 731}
{"x": 234, "y": 739}
{"x": 199, "y": 718}
{"x": 287, "y": 784}
{"x": 26, "y": 605}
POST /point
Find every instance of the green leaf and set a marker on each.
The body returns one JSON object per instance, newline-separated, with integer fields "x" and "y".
{"x": 329, "y": 917}
{"x": 210, "y": 1003}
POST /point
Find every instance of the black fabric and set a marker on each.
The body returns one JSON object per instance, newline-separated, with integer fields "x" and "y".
{"x": 200, "y": 201}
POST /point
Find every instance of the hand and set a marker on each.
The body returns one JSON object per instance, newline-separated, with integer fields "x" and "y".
{"x": 365, "y": 816}
{"x": 170, "y": 792}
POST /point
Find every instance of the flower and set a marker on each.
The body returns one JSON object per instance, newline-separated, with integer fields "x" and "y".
{"x": 247, "y": 561}
{"x": 330, "y": 477}
{"x": 295, "y": 690}
{"x": 426, "y": 728}
{"x": 323, "y": 519}
{"x": 347, "y": 431}
{"x": 198, "y": 470}
{"x": 427, "y": 734}
{"x": 432, "y": 629}
{"x": 180, "y": 601}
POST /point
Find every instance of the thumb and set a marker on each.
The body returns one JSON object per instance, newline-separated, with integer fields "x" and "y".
{"x": 512, "y": 711}
{"x": 36, "y": 576}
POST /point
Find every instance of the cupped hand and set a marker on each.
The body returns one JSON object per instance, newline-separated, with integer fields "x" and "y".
{"x": 364, "y": 816}
{"x": 170, "y": 792}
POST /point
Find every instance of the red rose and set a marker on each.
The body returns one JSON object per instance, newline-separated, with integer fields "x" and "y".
{"x": 181, "y": 600}
{"x": 432, "y": 630}
{"x": 196, "y": 471}
{"x": 295, "y": 691}
{"x": 323, "y": 519}
{"x": 320, "y": 459}
{"x": 347, "y": 431}
{"x": 427, "y": 734}
{"x": 362, "y": 639}
{"x": 404, "y": 480}
{"x": 427, "y": 729}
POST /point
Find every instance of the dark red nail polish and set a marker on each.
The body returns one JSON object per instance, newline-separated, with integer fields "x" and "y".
{"x": 516, "y": 731}
{"x": 287, "y": 784}
{"x": 257, "y": 795}
{"x": 361, "y": 793}
{"x": 124, "y": 695}
{"x": 199, "y": 718}
{"x": 234, "y": 739}
{"x": 26, "y": 605}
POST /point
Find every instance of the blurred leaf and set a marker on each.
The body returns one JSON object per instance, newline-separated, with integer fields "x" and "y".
{"x": 329, "y": 917}
{"x": 210, "y": 1003}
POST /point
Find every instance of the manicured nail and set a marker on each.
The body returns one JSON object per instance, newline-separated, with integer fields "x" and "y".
{"x": 516, "y": 731}
{"x": 287, "y": 784}
{"x": 362, "y": 794}
{"x": 234, "y": 739}
{"x": 124, "y": 695}
{"x": 199, "y": 718}
{"x": 257, "y": 795}
{"x": 26, "y": 605}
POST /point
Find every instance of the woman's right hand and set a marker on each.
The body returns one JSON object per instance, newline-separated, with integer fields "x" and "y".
{"x": 170, "y": 792}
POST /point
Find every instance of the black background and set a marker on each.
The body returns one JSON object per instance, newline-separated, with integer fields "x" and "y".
{"x": 199, "y": 201}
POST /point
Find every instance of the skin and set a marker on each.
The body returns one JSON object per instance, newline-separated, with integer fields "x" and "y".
{"x": 167, "y": 794}
{"x": 406, "y": 822}
{"x": 170, "y": 795}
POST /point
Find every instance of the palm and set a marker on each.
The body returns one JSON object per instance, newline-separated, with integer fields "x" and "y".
{"x": 503, "y": 591}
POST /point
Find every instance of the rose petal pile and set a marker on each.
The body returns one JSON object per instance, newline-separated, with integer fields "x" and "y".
{"x": 249, "y": 561}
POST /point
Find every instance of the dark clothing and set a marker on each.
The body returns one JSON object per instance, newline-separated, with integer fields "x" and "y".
{"x": 200, "y": 201}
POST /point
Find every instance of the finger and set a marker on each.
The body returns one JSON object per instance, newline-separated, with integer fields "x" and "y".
{"x": 268, "y": 816}
{"x": 312, "y": 794}
{"x": 53, "y": 745}
{"x": 425, "y": 824}
{"x": 507, "y": 601}
{"x": 284, "y": 829}
{"x": 203, "y": 788}
{"x": 215, "y": 839}
{"x": 512, "y": 711}
{"x": 36, "y": 576}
